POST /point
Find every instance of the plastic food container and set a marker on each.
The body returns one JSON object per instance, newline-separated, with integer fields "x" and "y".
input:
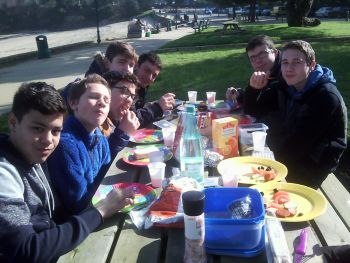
{"x": 245, "y": 132}
{"x": 228, "y": 236}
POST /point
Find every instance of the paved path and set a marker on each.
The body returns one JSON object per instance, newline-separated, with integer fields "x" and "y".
{"x": 62, "y": 68}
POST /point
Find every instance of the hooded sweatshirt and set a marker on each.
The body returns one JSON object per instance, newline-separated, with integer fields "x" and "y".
{"x": 313, "y": 128}
{"x": 28, "y": 232}
{"x": 78, "y": 164}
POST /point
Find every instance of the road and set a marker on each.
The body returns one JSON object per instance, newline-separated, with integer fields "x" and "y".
{"x": 25, "y": 42}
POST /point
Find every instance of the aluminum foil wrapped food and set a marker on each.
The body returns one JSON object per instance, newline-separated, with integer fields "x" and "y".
{"x": 212, "y": 158}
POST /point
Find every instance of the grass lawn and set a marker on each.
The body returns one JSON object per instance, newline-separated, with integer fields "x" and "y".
{"x": 279, "y": 32}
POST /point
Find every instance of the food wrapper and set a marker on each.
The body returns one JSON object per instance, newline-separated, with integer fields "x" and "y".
{"x": 167, "y": 211}
{"x": 241, "y": 208}
{"x": 212, "y": 158}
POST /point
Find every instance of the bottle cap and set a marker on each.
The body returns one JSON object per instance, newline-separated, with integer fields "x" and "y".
{"x": 190, "y": 108}
{"x": 193, "y": 202}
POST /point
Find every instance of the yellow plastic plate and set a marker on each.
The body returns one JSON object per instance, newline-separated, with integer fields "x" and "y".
{"x": 243, "y": 167}
{"x": 310, "y": 203}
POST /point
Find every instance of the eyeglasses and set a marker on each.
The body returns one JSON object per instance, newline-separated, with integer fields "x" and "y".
{"x": 125, "y": 92}
{"x": 262, "y": 55}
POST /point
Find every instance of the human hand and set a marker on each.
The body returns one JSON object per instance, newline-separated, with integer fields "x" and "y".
{"x": 129, "y": 123}
{"x": 116, "y": 200}
{"x": 167, "y": 101}
{"x": 231, "y": 94}
{"x": 259, "y": 80}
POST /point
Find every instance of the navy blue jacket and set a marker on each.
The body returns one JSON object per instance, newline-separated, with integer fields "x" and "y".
{"x": 28, "y": 232}
{"x": 308, "y": 132}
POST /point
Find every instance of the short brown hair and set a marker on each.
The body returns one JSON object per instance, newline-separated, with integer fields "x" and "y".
{"x": 259, "y": 41}
{"x": 152, "y": 58}
{"x": 79, "y": 87}
{"x": 304, "y": 47}
{"x": 121, "y": 48}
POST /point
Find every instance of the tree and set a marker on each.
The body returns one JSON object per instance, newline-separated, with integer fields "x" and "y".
{"x": 297, "y": 10}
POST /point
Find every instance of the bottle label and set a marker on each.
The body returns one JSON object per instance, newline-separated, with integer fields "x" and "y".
{"x": 194, "y": 227}
{"x": 195, "y": 170}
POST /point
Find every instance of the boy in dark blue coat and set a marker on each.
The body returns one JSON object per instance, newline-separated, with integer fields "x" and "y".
{"x": 308, "y": 132}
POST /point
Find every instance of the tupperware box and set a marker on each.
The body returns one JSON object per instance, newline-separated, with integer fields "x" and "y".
{"x": 225, "y": 235}
{"x": 245, "y": 132}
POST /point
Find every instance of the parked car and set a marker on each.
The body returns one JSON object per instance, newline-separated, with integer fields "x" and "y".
{"x": 220, "y": 10}
{"x": 323, "y": 11}
{"x": 266, "y": 12}
{"x": 279, "y": 11}
{"x": 338, "y": 12}
{"x": 208, "y": 12}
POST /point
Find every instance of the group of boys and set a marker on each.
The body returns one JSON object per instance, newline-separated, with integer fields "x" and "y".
{"x": 44, "y": 216}
{"x": 51, "y": 163}
{"x": 299, "y": 101}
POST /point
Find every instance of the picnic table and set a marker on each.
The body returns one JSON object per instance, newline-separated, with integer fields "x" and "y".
{"x": 118, "y": 240}
{"x": 231, "y": 25}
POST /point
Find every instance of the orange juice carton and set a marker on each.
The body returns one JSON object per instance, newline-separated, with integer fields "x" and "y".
{"x": 225, "y": 136}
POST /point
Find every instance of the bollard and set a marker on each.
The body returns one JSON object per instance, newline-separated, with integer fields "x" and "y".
{"x": 347, "y": 15}
{"x": 43, "y": 47}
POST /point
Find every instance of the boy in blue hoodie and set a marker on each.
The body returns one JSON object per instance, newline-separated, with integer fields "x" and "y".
{"x": 28, "y": 229}
{"x": 82, "y": 158}
{"x": 310, "y": 135}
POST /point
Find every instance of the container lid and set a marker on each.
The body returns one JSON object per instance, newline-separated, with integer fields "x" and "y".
{"x": 190, "y": 108}
{"x": 193, "y": 203}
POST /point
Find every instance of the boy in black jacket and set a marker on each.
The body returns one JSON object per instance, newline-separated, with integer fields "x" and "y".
{"x": 308, "y": 132}
{"x": 28, "y": 232}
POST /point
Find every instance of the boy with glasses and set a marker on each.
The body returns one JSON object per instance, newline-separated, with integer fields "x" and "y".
{"x": 29, "y": 230}
{"x": 81, "y": 160}
{"x": 121, "y": 121}
{"x": 312, "y": 118}
{"x": 260, "y": 96}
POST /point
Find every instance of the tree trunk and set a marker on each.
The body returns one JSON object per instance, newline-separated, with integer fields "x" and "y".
{"x": 297, "y": 10}
{"x": 252, "y": 11}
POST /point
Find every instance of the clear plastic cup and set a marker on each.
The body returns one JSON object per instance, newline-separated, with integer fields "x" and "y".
{"x": 156, "y": 172}
{"x": 229, "y": 178}
{"x": 168, "y": 136}
{"x": 192, "y": 96}
{"x": 157, "y": 156}
{"x": 211, "y": 98}
{"x": 259, "y": 139}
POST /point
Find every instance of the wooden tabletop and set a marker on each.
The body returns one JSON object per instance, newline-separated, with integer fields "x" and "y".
{"x": 118, "y": 240}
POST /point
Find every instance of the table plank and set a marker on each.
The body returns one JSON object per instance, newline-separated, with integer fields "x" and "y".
{"x": 292, "y": 232}
{"x": 120, "y": 172}
{"x": 96, "y": 247}
{"x": 338, "y": 197}
{"x": 137, "y": 245}
{"x": 331, "y": 228}
{"x": 175, "y": 245}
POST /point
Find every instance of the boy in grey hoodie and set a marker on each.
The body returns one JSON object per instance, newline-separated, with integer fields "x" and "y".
{"x": 28, "y": 232}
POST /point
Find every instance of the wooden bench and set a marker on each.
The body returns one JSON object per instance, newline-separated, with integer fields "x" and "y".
{"x": 197, "y": 26}
{"x": 205, "y": 24}
{"x": 334, "y": 225}
{"x": 233, "y": 25}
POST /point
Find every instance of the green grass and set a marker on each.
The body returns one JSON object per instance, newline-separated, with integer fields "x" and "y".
{"x": 278, "y": 32}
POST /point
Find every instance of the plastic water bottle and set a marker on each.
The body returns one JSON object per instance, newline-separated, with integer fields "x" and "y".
{"x": 191, "y": 152}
